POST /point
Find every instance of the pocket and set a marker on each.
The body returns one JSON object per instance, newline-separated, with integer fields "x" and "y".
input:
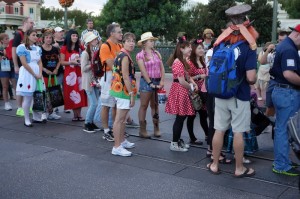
{"x": 281, "y": 97}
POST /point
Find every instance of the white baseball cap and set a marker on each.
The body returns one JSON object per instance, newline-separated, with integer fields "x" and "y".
{"x": 58, "y": 29}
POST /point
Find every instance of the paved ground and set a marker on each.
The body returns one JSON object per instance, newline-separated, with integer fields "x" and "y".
{"x": 59, "y": 160}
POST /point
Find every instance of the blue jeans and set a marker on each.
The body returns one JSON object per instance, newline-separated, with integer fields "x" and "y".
{"x": 93, "y": 96}
{"x": 97, "y": 116}
{"x": 286, "y": 102}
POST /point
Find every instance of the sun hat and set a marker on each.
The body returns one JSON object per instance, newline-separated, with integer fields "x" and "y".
{"x": 208, "y": 31}
{"x": 88, "y": 37}
{"x": 297, "y": 28}
{"x": 146, "y": 36}
{"x": 58, "y": 29}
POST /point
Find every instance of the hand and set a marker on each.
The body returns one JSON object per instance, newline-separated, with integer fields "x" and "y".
{"x": 74, "y": 62}
{"x": 17, "y": 69}
{"x": 132, "y": 101}
{"x": 152, "y": 86}
{"x": 55, "y": 72}
{"x": 202, "y": 76}
{"x": 196, "y": 87}
{"x": 48, "y": 72}
{"x": 270, "y": 48}
{"x": 161, "y": 85}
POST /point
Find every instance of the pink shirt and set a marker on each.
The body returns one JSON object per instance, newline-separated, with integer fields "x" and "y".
{"x": 152, "y": 65}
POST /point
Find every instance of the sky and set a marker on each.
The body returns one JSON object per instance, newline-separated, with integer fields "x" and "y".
{"x": 90, "y": 5}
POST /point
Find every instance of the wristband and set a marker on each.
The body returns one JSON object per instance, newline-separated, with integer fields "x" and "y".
{"x": 150, "y": 83}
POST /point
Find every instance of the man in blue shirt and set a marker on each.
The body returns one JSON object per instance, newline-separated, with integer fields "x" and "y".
{"x": 286, "y": 98}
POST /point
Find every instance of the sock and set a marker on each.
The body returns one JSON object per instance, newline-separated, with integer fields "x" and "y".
{"x": 106, "y": 130}
{"x": 26, "y": 106}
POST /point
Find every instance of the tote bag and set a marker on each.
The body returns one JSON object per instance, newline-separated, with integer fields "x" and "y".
{"x": 39, "y": 97}
{"x": 55, "y": 93}
{"x": 5, "y": 65}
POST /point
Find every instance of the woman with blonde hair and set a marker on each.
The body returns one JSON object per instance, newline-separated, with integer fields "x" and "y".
{"x": 152, "y": 78}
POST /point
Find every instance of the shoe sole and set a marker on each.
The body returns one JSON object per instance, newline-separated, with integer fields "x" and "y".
{"x": 285, "y": 173}
{"x": 129, "y": 147}
{"x": 179, "y": 150}
{"x": 89, "y": 131}
{"x": 121, "y": 154}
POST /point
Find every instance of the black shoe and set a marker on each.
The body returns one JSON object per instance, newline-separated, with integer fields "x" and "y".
{"x": 108, "y": 136}
{"x": 196, "y": 142}
{"x": 88, "y": 128}
{"x": 95, "y": 127}
{"x": 37, "y": 121}
{"x": 126, "y": 135}
{"x": 28, "y": 125}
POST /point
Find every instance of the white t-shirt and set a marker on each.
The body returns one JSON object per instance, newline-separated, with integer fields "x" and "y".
{"x": 209, "y": 54}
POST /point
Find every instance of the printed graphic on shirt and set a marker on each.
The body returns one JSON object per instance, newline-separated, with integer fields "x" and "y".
{"x": 290, "y": 63}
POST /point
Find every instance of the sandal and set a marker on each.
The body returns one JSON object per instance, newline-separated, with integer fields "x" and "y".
{"x": 224, "y": 160}
{"x": 245, "y": 174}
{"x": 211, "y": 171}
{"x": 208, "y": 153}
{"x": 81, "y": 119}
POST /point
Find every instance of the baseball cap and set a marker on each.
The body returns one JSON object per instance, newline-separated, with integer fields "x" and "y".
{"x": 297, "y": 28}
{"x": 58, "y": 29}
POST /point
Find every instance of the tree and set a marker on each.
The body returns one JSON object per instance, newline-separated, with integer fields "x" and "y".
{"x": 292, "y": 7}
{"x": 158, "y": 16}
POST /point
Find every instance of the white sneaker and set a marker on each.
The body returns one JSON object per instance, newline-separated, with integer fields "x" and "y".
{"x": 53, "y": 116}
{"x": 260, "y": 98}
{"x": 175, "y": 147}
{"x": 44, "y": 117}
{"x": 183, "y": 144}
{"x": 7, "y": 106}
{"x": 127, "y": 145}
{"x": 120, "y": 151}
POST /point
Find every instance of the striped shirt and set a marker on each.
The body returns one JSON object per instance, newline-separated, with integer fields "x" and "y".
{"x": 95, "y": 32}
{"x": 152, "y": 63}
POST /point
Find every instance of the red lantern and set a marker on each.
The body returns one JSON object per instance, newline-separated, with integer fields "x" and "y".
{"x": 66, "y": 3}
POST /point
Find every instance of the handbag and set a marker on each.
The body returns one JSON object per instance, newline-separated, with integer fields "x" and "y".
{"x": 294, "y": 133}
{"x": 196, "y": 100}
{"x": 5, "y": 65}
{"x": 39, "y": 97}
{"x": 55, "y": 93}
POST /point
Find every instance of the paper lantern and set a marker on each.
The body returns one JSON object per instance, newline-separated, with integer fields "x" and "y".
{"x": 66, "y": 3}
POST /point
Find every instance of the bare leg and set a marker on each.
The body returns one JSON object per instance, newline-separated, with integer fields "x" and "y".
{"x": 217, "y": 147}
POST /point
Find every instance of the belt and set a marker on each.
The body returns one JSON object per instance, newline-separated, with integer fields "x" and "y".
{"x": 286, "y": 86}
{"x": 153, "y": 79}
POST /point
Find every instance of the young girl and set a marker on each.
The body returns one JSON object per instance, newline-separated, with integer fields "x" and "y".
{"x": 178, "y": 102}
{"x": 152, "y": 77}
{"x": 89, "y": 83}
{"x": 29, "y": 73}
{"x": 74, "y": 96}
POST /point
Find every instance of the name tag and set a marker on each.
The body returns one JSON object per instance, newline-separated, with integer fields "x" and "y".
{"x": 290, "y": 62}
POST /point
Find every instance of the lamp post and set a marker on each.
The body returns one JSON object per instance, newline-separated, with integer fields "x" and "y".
{"x": 65, "y": 4}
{"x": 274, "y": 21}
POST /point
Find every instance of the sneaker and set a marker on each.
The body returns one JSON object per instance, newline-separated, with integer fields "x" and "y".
{"x": 95, "y": 127}
{"x": 30, "y": 110}
{"x": 88, "y": 128}
{"x": 176, "y": 147}
{"x": 20, "y": 112}
{"x": 68, "y": 111}
{"x": 291, "y": 172}
{"x": 260, "y": 98}
{"x": 7, "y": 106}
{"x": 56, "y": 110}
{"x": 132, "y": 124}
{"x": 181, "y": 143}
{"x": 120, "y": 151}
{"x": 108, "y": 136}
{"x": 44, "y": 117}
{"x": 53, "y": 116}
{"x": 126, "y": 135}
{"x": 127, "y": 145}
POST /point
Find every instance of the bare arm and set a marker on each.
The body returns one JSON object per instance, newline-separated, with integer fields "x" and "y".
{"x": 27, "y": 67}
{"x": 15, "y": 59}
{"x": 251, "y": 76}
{"x": 109, "y": 63}
{"x": 125, "y": 72}
{"x": 264, "y": 58}
{"x": 143, "y": 71}
{"x": 292, "y": 77}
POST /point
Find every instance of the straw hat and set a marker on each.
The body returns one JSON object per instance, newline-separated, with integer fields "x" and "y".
{"x": 208, "y": 31}
{"x": 88, "y": 37}
{"x": 146, "y": 36}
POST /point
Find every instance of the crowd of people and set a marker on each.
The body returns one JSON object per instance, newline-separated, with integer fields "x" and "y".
{"x": 111, "y": 93}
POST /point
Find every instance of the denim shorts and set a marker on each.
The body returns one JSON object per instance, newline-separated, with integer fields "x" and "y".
{"x": 144, "y": 87}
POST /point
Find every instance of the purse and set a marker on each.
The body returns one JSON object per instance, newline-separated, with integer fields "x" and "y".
{"x": 55, "y": 93}
{"x": 39, "y": 97}
{"x": 196, "y": 100}
{"x": 5, "y": 65}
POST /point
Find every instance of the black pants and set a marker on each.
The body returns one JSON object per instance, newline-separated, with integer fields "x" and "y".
{"x": 210, "y": 106}
{"x": 177, "y": 127}
{"x": 203, "y": 123}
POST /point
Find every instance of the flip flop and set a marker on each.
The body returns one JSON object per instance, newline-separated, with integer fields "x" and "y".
{"x": 245, "y": 174}
{"x": 80, "y": 119}
{"x": 222, "y": 161}
{"x": 211, "y": 171}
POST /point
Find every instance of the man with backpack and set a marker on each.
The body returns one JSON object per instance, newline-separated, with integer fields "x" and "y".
{"x": 18, "y": 39}
{"x": 232, "y": 69}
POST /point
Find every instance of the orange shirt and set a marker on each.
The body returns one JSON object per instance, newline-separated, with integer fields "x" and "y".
{"x": 107, "y": 53}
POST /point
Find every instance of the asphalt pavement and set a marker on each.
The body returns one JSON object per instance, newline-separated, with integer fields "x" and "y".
{"x": 59, "y": 160}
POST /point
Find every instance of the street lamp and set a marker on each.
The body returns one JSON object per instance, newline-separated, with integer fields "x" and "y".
{"x": 274, "y": 21}
{"x": 65, "y": 4}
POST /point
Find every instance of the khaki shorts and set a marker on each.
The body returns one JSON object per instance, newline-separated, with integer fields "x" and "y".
{"x": 122, "y": 103}
{"x": 232, "y": 113}
{"x": 106, "y": 98}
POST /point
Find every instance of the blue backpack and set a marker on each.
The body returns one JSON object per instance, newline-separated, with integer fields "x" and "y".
{"x": 222, "y": 81}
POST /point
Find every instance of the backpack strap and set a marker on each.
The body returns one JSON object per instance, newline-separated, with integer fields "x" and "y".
{"x": 233, "y": 46}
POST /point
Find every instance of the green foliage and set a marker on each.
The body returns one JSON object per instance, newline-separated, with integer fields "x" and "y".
{"x": 158, "y": 16}
{"x": 292, "y": 7}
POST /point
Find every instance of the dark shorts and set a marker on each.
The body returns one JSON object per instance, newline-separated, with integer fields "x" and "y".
{"x": 9, "y": 74}
{"x": 144, "y": 87}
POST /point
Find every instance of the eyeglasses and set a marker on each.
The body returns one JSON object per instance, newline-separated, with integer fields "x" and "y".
{"x": 119, "y": 32}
